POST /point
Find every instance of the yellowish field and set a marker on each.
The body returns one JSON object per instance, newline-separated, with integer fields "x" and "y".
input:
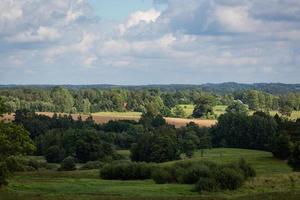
{"x": 102, "y": 118}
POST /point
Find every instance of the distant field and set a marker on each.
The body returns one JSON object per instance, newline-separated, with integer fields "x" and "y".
{"x": 221, "y": 109}
{"x": 188, "y": 109}
{"x": 273, "y": 182}
{"x": 104, "y": 118}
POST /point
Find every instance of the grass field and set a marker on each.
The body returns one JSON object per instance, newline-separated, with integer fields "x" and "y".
{"x": 273, "y": 182}
{"x": 221, "y": 109}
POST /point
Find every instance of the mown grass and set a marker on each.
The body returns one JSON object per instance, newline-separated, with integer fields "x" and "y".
{"x": 118, "y": 114}
{"x": 273, "y": 182}
{"x": 221, "y": 109}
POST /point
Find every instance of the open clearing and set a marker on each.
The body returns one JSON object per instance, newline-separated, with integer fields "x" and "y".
{"x": 273, "y": 182}
{"x": 104, "y": 117}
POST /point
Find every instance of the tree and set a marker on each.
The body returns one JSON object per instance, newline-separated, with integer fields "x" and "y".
{"x": 202, "y": 110}
{"x": 294, "y": 159}
{"x": 281, "y": 146}
{"x": 204, "y": 106}
{"x": 14, "y": 140}
{"x": 179, "y": 112}
{"x": 86, "y": 106}
{"x": 2, "y": 107}
{"x": 160, "y": 146}
{"x": 68, "y": 164}
{"x": 237, "y": 107}
{"x": 62, "y": 99}
{"x": 55, "y": 154}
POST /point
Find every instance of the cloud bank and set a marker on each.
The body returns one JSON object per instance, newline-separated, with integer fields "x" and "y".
{"x": 191, "y": 41}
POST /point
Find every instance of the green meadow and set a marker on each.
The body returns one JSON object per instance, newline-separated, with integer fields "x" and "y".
{"x": 275, "y": 180}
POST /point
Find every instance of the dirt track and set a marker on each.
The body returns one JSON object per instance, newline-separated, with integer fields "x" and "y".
{"x": 178, "y": 122}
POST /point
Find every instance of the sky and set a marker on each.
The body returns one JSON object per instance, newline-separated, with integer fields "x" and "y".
{"x": 133, "y": 42}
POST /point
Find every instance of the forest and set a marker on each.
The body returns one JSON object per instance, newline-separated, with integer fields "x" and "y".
{"x": 150, "y": 148}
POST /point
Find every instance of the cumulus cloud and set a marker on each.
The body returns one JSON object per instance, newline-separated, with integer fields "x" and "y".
{"x": 139, "y": 17}
{"x": 192, "y": 41}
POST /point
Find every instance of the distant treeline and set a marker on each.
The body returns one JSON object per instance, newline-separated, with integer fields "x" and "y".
{"x": 86, "y": 100}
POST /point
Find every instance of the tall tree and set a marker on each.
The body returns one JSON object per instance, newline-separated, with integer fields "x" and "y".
{"x": 62, "y": 99}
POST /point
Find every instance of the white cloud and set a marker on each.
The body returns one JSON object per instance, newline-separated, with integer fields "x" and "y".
{"x": 236, "y": 19}
{"x": 73, "y": 15}
{"x": 42, "y": 34}
{"x": 138, "y": 17}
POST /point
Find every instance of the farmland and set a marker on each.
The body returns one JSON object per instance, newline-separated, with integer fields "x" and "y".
{"x": 272, "y": 182}
{"x": 104, "y": 117}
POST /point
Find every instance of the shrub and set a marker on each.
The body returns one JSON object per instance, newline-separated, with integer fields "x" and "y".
{"x": 68, "y": 164}
{"x": 247, "y": 169}
{"x": 3, "y": 173}
{"x": 294, "y": 159}
{"x": 229, "y": 178}
{"x": 126, "y": 171}
{"x": 192, "y": 174}
{"x": 92, "y": 165}
{"x": 208, "y": 184}
{"x": 162, "y": 176}
{"x": 14, "y": 164}
{"x": 54, "y": 154}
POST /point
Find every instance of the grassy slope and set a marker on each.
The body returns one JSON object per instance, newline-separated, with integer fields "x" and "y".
{"x": 220, "y": 109}
{"x": 273, "y": 176}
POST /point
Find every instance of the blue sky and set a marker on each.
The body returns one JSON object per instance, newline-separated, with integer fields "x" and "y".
{"x": 149, "y": 41}
{"x": 118, "y": 9}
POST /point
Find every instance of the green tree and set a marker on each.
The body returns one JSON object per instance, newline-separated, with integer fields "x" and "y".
{"x": 68, "y": 164}
{"x": 62, "y": 99}
{"x": 204, "y": 106}
{"x": 237, "y": 108}
{"x": 14, "y": 140}
{"x": 179, "y": 112}
{"x": 86, "y": 106}
{"x": 294, "y": 159}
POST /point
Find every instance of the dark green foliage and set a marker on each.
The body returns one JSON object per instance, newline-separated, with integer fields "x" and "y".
{"x": 14, "y": 140}
{"x": 68, "y": 164}
{"x": 92, "y": 165}
{"x": 247, "y": 169}
{"x": 206, "y": 175}
{"x": 126, "y": 171}
{"x": 204, "y": 106}
{"x": 208, "y": 184}
{"x": 20, "y": 164}
{"x": 241, "y": 131}
{"x": 294, "y": 159}
{"x": 229, "y": 178}
{"x": 162, "y": 175}
{"x": 237, "y": 108}
{"x": 15, "y": 164}
{"x": 54, "y": 154}
{"x": 3, "y": 174}
{"x": 281, "y": 146}
{"x": 191, "y": 174}
{"x": 160, "y": 146}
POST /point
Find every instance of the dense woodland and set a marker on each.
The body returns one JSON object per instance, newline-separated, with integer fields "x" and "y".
{"x": 157, "y": 100}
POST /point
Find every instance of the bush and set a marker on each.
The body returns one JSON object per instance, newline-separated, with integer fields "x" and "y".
{"x": 92, "y": 165}
{"x": 3, "y": 174}
{"x": 126, "y": 171}
{"x": 162, "y": 176}
{"x": 54, "y": 154}
{"x": 68, "y": 164}
{"x": 229, "y": 178}
{"x": 192, "y": 174}
{"x": 208, "y": 184}
{"x": 246, "y": 168}
{"x": 294, "y": 159}
{"x": 15, "y": 164}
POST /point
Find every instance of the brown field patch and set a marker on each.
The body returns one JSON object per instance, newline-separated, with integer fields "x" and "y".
{"x": 177, "y": 122}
